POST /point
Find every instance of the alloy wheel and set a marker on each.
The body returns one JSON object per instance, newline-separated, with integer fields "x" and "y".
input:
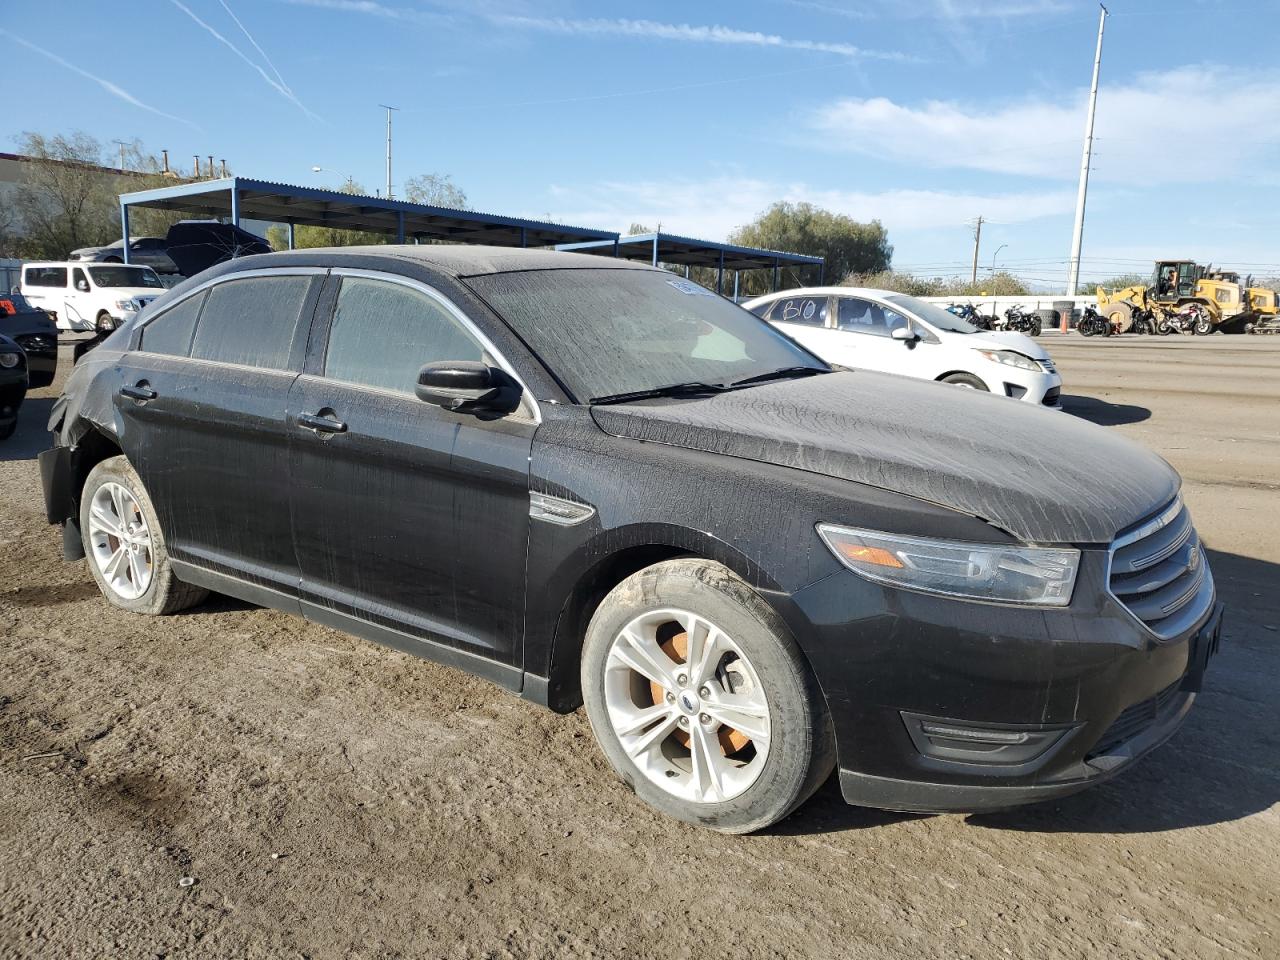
{"x": 687, "y": 706}
{"x": 121, "y": 541}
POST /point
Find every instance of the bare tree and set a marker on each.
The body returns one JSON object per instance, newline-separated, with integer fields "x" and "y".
{"x": 64, "y": 201}
{"x": 436, "y": 190}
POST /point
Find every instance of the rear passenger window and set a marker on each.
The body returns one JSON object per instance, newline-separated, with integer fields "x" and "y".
{"x": 170, "y": 333}
{"x": 809, "y": 311}
{"x": 251, "y": 321}
{"x": 382, "y": 334}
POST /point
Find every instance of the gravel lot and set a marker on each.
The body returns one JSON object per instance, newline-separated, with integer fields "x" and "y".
{"x": 335, "y": 799}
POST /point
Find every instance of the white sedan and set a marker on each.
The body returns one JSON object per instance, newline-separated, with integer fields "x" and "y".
{"x": 895, "y": 333}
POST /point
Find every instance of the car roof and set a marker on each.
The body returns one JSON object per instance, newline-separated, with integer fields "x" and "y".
{"x": 827, "y": 292}
{"x": 460, "y": 260}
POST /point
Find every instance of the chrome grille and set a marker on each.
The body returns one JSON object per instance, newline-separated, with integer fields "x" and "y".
{"x": 1160, "y": 574}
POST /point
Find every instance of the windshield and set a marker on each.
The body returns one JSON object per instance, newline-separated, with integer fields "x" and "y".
{"x": 933, "y": 314}
{"x": 122, "y": 276}
{"x": 610, "y": 331}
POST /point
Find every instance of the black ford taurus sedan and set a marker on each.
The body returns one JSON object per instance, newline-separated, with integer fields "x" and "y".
{"x": 592, "y": 481}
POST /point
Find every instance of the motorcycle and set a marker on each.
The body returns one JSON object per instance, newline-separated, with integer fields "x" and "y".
{"x": 1093, "y": 324}
{"x": 1022, "y": 321}
{"x": 969, "y": 313}
{"x": 1192, "y": 318}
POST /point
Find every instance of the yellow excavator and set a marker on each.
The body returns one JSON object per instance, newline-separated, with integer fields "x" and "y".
{"x": 1227, "y": 304}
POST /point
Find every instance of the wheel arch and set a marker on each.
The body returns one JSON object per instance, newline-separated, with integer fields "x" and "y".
{"x": 560, "y": 689}
{"x": 968, "y": 373}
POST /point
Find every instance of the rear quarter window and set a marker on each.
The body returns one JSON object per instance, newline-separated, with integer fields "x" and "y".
{"x": 251, "y": 321}
{"x": 45, "y": 276}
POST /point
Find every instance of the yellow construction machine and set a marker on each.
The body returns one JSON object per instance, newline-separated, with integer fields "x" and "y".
{"x": 1175, "y": 285}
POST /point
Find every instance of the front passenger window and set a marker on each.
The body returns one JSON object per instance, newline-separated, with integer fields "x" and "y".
{"x": 383, "y": 332}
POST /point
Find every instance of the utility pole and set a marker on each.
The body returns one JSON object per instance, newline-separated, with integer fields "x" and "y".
{"x": 122, "y": 144}
{"x": 977, "y": 239}
{"x": 1077, "y": 237}
{"x": 388, "y": 109}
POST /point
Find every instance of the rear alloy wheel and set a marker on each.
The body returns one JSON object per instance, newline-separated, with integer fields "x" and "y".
{"x": 124, "y": 545}
{"x": 966, "y": 380}
{"x": 700, "y": 700}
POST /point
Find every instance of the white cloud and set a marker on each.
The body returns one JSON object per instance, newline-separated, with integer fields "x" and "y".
{"x": 280, "y": 88}
{"x": 710, "y": 209}
{"x": 970, "y": 9}
{"x": 1141, "y": 134}
{"x": 111, "y": 88}
{"x": 652, "y": 29}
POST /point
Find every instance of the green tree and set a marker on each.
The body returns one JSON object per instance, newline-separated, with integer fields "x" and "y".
{"x": 1000, "y": 284}
{"x": 1112, "y": 284}
{"x": 848, "y": 245}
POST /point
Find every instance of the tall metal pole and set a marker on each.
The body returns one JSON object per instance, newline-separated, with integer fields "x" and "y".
{"x": 977, "y": 239}
{"x": 388, "y": 109}
{"x": 1077, "y": 236}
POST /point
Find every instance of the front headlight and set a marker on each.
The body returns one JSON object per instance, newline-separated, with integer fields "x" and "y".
{"x": 10, "y": 360}
{"x": 954, "y": 568}
{"x": 1010, "y": 358}
{"x": 128, "y": 306}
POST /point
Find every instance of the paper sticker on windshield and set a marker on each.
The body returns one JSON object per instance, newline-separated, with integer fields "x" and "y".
{"x": 691, "y": 288}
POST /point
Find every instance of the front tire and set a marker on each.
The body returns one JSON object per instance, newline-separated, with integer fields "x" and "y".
{"x": 105, "y": 322}
{"x": 966, "y": 380}
{"x": 124, "y": 545}
{"x": 701, "y": 701}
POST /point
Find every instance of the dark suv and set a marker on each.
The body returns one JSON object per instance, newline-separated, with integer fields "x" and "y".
{"x": 594, "y": 481}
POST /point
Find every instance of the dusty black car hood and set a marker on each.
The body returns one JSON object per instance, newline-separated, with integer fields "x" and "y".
{"x": 1041, "y": 475}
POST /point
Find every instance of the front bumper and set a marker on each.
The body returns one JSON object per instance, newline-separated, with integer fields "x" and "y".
{"x": 1030, "y": 386}
{"x": 923, "y": 691}
{"x": 13, "y": 390}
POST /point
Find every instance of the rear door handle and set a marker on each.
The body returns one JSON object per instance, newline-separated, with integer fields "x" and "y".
{"x": 139, "y": 391}
{"x": 321, "y": 424}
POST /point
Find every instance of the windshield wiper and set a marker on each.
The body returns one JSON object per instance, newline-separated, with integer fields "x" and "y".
{"x": 777, "y": 375}
{"x": 690, "y": 389}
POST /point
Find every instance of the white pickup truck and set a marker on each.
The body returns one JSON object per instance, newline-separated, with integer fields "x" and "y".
{"x": 89, "y": 296}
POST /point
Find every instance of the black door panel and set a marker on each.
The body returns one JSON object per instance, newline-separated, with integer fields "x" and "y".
{"x": 210, "y": 447}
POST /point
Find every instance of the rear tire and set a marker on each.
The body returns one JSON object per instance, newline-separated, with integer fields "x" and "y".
{"x": 124, "y": 545}
{"x": 667, "y": 703}
{"x": 965, "y": 380}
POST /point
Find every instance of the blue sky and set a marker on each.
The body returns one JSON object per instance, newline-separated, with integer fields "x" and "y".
{"x": 922, "y": 113}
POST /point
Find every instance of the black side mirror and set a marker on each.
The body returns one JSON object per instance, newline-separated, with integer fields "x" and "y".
{"x": 468, "y": 386}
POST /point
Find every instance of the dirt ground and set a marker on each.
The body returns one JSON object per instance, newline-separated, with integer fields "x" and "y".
{"x": 335, "y": 799}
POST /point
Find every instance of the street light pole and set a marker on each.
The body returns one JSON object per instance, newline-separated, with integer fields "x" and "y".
{"x": 1073, "y": 273}
{"x": 388, "y": 109}
{"x": 993, "y": 257}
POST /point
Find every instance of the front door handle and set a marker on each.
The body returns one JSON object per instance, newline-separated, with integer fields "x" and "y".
{"x": 321, "y": 424}
{"x": 139, "y": 391}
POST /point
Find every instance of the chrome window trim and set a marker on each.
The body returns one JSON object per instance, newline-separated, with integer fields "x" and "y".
{"x": 535, "y": 412}
{"x": 226, "y": 278}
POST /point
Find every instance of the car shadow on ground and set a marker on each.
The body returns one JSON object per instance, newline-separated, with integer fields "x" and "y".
{"x": 1103, "y": 413}
{"x": 32, "y": 436}
{"x": 1222, "y": 765}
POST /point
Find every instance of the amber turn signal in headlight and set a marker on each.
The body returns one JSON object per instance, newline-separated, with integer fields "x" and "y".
{"x": 999, "y": 573}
